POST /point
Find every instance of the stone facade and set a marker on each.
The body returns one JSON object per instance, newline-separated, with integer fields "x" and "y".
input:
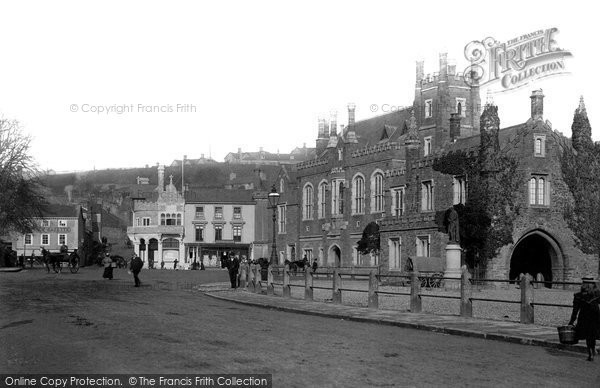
{"x": 381, "y": 170}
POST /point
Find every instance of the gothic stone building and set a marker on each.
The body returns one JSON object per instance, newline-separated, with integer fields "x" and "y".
{"x": 380, "y": 170}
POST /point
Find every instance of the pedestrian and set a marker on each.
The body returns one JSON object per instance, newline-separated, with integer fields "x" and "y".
{"x": 587, "y": 314}
{"x": 315, "y": 265}
{"x": 175, "y": 264}
{"x": 233, "y": 265}
{"x": 108, "y": 268}
{"x": 31, "y": 259}
{"x": 22, "y": 261}
{"x": 162, "y": 264}
{"x": 135, "y": 267}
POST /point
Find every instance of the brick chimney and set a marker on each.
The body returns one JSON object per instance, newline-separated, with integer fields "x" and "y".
{"x": 333, "y": 130}
{"x": 351, "y": 134}
{"x": 537, "y": 105}
{"x": 420, "y": 71}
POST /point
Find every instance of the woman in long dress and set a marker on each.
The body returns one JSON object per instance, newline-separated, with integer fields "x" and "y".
{"x": 587, "y": 314}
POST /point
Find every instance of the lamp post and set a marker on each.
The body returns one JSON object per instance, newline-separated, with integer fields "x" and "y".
{"x": 274, "y": 201}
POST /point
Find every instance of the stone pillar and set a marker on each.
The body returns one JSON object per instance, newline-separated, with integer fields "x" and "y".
{"x": 286, "y": 282}
{"x": 308, "y": 284}
{"x": 373, "y": 287}
{"x": 270, "y": 290}
{"x": 526, "y": 299}
{"x": 415, "y": 290}
{"x": 452, "y": 266}
{"x": 336, "y": 296}
{"x": 466, "y": 292}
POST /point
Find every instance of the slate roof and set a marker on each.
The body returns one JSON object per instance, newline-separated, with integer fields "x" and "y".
{"x": 218, "y": 196}
{"x": 379, "y": 129}
{"x": 54, "y": 210}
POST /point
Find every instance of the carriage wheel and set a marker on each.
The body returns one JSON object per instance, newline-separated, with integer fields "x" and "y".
{"x": 57, "y": 268}
{"x": 425, "y": 281}
{"x": 436, "y": 280}
{"x": 74, "y": 267}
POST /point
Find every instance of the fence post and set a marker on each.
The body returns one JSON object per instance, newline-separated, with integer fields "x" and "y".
{"x": 308, "y": 284}
{"x": 286, "y": 281}
{"x": 373, "y": 288}
{"x": 270, "y": 290}
{"x": 336, "y": 295}
{"x": 466, "y": 292}
{"x": 243, "y": 275}
{"x": 415, "y": 289}
{"x": 526, "y": 299}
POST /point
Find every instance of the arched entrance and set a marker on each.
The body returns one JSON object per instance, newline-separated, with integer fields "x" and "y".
{"x": 537, "y": 252}
{"x": 335, "y": 256}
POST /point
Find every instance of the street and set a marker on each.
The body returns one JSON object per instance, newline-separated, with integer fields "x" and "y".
{"x": 81, "y": 323}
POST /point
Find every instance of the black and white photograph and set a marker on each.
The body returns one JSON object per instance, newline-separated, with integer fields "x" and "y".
{"x": 299, "y": 194}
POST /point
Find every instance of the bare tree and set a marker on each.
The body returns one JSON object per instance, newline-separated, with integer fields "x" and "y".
{"x": 21, "y": 200}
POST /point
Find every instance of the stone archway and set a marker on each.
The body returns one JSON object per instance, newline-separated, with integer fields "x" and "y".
{"x": 537, "y": 252}
{"x": 334, "y": 256}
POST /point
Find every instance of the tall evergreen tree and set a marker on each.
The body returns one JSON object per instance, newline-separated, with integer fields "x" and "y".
{"x": 581, "y": 172}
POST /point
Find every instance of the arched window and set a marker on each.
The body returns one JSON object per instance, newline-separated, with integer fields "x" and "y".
{"x": 178, "y": 219}
{"x": 163, "y": 219}
{"x": 459, "y": 109}
{"x": 540, "y": 191}
{"x": 321, "y": 200}
{"x": 307, "y": 200}
{"x": 377, "y": 203}
{"x": 337, "y": 196}
{"x": 358, "y": 195}
{"x": 532, "y": 191}
{"x": 281, "y": 186}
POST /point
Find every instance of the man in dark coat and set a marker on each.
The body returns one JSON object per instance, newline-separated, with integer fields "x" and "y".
{"x": 587, "y": 313}
{"x": 135, "y": 267}
{"x": 233, "y": 265}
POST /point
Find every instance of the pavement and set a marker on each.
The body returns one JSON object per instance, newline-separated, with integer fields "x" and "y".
{"x": 513, "y": 332}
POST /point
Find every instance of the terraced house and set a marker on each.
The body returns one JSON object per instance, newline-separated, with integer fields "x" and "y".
{"x": 383, "y": 170}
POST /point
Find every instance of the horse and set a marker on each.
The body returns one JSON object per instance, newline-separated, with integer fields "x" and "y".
{"x": 294, "y": 265}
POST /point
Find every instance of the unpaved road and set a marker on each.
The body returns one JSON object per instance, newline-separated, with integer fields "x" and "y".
{"x": 80, "y": 323}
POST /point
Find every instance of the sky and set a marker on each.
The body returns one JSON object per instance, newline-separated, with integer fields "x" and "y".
{"x": 250, "y": 74}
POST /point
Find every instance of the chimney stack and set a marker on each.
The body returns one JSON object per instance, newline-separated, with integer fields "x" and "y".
{"x": 333, "y": 120}
{"x": 351, "y": 134}
{"x": 420, "y": 71}
{"x": 443, "y": 65}
{"x": 537, "y": 105}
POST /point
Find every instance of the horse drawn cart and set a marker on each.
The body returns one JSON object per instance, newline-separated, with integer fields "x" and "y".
{"x": 61, "y": 259}
{"x": 430, "y": 270}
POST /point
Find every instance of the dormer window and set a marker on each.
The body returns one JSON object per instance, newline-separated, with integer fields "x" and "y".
{"x": 428, "y": 108}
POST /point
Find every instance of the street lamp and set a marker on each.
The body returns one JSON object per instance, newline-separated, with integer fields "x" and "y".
{"x": 274, "y": 201}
